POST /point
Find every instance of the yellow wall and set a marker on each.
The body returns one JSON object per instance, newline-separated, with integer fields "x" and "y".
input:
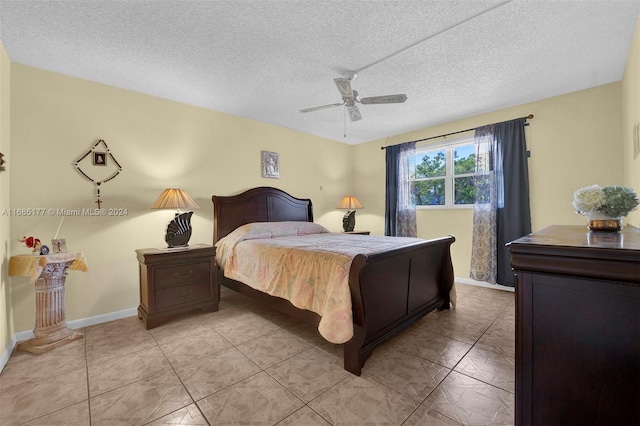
{"x": 631, "y": 119}
{"x": 159, "y": 144}
{"x": 6, "y": 320}
{"x": 575, "y": 140}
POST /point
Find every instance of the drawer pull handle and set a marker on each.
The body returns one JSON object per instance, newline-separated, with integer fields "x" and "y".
{"x": 177, "y": 274}
{"x": 186, "y": 295}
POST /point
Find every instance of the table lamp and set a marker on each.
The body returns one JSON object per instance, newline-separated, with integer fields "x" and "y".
{"x": 349, "y": 220}
{"x": 179, "y": 229}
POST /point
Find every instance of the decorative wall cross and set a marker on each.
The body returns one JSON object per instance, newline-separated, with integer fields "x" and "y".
{"x": 99, "y": 154}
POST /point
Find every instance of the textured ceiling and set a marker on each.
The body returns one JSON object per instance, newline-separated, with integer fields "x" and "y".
{"x": 266, "y": 60}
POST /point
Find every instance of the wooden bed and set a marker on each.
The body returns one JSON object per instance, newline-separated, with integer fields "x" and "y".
{"x": 389, "y": 290}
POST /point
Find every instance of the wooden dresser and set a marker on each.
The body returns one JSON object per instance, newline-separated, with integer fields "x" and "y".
{"x": 173, "y": 281}
{"x": 577, "y": 327}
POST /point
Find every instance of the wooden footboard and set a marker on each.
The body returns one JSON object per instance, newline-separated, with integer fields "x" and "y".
{"x": 391, "y": 290}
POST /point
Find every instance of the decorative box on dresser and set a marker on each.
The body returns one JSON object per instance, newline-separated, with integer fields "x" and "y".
{"x": 577, "y": 327}
{"x": 176, "y": 280}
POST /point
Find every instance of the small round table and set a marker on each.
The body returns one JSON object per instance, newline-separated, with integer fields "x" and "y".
{"x": 48, "y": 273}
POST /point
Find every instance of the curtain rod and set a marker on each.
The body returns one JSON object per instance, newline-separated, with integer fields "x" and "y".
{"x": 528, "y": 117}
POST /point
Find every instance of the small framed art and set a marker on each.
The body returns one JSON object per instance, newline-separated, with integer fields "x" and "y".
{"x": 59, "y": 245}
{"x": 270, "y": 165}
{"x": 99, "y": 158}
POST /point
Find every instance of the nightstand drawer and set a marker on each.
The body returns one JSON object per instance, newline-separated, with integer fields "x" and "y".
{"x": 171, "y": 276}
{"x": 184, "y": 294}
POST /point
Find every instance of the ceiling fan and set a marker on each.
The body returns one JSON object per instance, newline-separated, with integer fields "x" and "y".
{"x": 350, "y": 97}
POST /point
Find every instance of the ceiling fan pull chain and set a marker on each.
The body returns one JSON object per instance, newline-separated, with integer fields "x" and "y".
{"x": 345, "y": 122}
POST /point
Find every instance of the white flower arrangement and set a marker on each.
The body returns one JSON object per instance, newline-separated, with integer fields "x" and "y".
{"x": 613, "y": 201}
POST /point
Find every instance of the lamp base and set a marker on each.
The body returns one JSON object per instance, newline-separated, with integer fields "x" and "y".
{"x": 349, "y": 221}
{"x": 179, "y": 230}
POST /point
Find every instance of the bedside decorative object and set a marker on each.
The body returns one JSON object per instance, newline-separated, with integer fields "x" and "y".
{"x": 597, "y": 221}
{"x": 176, "y": 281}
{"x": 99, "y": 158}
{"x": 2, "y": 162}
{"x": 270, "y": 165}
{"x": 349, "y": 220}
{"x": 48, "y": 273}
{"x": 604, "y": 206}
{"x": 179, "y": 229}
{"x": 32, "y": 243}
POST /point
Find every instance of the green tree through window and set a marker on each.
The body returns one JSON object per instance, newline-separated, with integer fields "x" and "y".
{"x": 428, "y": 188}
{"x": 444, "y": 176}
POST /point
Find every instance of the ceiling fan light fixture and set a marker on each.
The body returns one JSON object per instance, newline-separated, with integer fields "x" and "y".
{"x": 354, "y": 113}
{"x": 351, "y": 75}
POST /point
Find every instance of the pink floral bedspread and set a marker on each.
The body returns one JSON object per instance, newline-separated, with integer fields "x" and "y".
{"x": 303, "y": 263}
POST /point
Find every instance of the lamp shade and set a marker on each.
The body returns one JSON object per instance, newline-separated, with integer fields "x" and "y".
{"x": 349, "y": 202}
{"x": 173, "y": 198}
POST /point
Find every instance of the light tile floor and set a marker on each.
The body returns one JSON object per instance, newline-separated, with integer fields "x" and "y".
{"x": 247, "y": 364}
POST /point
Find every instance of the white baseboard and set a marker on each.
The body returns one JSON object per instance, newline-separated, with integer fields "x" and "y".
{"x": 484, "y": 284}
{"x": 75, "y": 324}
{"x": 99, "y": 319}
{"x": 7, "y": 352}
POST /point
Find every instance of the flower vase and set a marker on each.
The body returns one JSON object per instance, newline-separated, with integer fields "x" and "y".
{"x": 600, "y": 222}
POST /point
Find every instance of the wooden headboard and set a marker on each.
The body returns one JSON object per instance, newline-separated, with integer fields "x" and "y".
{"x": 262, "y": 204}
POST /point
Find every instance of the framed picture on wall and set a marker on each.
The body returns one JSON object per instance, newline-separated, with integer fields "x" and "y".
{"x": 99, "y": 158}
{"x": 270, "y": 165}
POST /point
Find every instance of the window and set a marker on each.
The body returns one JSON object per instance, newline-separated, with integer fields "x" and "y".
{"x": 444, "y": 175}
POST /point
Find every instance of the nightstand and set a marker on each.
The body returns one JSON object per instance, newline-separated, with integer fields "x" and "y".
{"x": 176, "y": 280}
{"x": 358, "y": 232}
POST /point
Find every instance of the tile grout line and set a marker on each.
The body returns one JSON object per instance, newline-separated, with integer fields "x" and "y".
{"x": 452, "y": 369}
{"x": 86, "y": 365}
{"x": 194, "y": 402}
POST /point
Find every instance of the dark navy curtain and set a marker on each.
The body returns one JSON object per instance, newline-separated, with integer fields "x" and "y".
{"x": 400, "y": 212}
{"x": 513, "y": 214}
{"x": 391, "y": 193}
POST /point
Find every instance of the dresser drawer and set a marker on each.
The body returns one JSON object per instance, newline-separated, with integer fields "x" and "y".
{"x": 175, "y": 296}
{"x": 171, "y": 276}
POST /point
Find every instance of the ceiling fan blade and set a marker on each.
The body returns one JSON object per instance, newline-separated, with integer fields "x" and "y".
{"x": 321, "y": 107}
{"x": 344, "y": 86}
{"x": 354, "y": 113}
{"x": 385, "y": 99}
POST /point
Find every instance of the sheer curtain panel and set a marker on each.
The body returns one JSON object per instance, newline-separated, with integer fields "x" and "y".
{"x": 484, "y": 256}
{"x": 502, "y": 211}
